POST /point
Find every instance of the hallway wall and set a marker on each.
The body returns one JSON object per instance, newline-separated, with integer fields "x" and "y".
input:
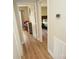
{"x": 17, "y": 47}
{"x": 56, "y": 26}
{"x": 60, "y": 23}
{"x": 32, "y": 19}
{"x": 17, "y": 32}
{"x": 24, "y": 13}
{"x": 18, "y": 20}
{"x": 44, "y": 11}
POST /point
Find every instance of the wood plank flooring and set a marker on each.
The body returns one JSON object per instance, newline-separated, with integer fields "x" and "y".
{"x": 44, "y": 37}
{"x": 33, "y": 49}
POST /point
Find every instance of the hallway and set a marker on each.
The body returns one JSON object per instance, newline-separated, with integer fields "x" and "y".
{"x": 33, "y": 49}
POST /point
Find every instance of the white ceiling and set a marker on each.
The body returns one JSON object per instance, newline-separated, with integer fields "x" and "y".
{"x": 27, "y": 2}
{"x": 23, "y": 1}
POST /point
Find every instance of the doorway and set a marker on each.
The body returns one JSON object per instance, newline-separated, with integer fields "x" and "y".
{"x": 44, "y": 22}
{"x": 26, "y": 23}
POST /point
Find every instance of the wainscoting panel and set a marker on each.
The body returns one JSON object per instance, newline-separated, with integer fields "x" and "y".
{"x": 59, "y": 49}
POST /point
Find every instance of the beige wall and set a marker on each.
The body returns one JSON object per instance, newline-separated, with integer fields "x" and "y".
{"x": 44, "y": 11}
{"x": 24, "y": 13}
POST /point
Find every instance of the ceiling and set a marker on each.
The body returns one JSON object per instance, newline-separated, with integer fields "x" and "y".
{"x": 27, "y": 2}
{"x": 23, "y": 1}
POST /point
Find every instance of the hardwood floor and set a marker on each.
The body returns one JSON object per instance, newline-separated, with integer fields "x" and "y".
{"x": 33, "y": 49}
{"x": 44, "y": 37}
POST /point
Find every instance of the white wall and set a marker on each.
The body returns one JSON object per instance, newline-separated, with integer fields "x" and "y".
{"x": 32, "y": 19}
{"x": 17, "y": 34}
{"x": 18, "y": 20}
{"x": 37, "y": 9}
{"x": 56, "y": 26}
{"x": 60, "y": 23}
{"x": 17, "y": 47}
{"x": 15, "y": 51}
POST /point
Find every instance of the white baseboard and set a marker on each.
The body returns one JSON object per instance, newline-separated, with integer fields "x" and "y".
{"x": 58, "y": 50}
{"x": 50, "y": 52}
